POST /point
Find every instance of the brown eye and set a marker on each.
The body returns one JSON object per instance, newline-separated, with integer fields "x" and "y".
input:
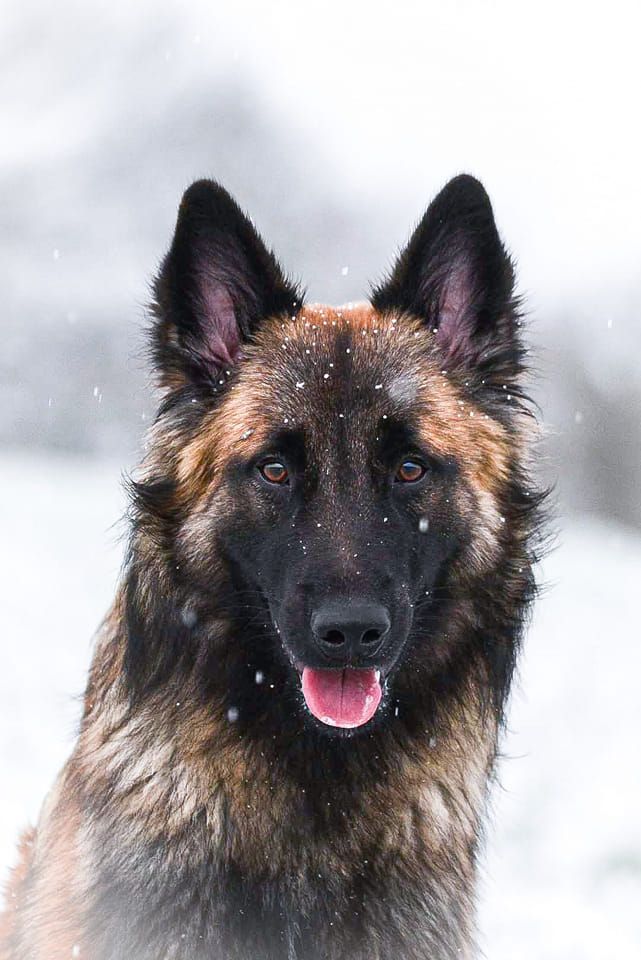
{"x": 410, "y": 471}
{"x": 274, "y": 472}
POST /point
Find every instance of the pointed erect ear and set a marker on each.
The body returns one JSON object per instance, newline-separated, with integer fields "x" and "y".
{"x": 455, "y": 274}
{"x": 215, "y": 285}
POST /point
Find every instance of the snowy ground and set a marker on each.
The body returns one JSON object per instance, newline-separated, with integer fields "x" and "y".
{"x": 563, "y": 877}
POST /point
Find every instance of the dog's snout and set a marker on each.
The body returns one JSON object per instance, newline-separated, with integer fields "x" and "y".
{"x": 348, "y": 631}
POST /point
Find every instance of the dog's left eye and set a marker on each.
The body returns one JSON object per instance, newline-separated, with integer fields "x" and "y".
{"x": 274, "y": 472}
{"x": 410, "y": 471}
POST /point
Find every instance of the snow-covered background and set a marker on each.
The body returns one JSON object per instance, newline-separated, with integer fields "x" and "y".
{"x": 334, "y": 123}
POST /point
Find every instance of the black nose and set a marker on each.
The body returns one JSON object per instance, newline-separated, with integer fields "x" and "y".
{"x": 350, "y": 631}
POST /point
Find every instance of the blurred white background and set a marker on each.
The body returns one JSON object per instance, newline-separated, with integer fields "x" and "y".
{"x": 334, "y": 124}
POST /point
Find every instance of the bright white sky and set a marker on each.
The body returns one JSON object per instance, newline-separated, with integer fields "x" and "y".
{"x": 538, "y": 99}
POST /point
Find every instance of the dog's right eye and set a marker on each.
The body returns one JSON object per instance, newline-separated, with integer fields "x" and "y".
{"x": 274, "y": 472}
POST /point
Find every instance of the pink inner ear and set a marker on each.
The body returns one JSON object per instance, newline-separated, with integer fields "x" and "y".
{"x": 220, "y": 329}
{"x": 455, "y": 318}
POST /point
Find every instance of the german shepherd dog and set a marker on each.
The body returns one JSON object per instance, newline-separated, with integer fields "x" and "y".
{"x": 292, "y": 715}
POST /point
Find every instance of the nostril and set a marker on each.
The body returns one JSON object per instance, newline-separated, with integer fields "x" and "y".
{"x": 344, "y": 631}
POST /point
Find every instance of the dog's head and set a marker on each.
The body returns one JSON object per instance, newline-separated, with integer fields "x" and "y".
{"x": 339, "y": 486}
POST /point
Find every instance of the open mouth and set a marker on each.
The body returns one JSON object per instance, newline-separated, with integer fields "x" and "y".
{"x": 342, "y": 698}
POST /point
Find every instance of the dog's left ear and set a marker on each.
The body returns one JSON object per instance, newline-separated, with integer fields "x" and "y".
{"x": 456, "y": 275}
{"x": 215, "y": 285}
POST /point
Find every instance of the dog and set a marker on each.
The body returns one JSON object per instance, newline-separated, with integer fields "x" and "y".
{"x": 291, "y": 719}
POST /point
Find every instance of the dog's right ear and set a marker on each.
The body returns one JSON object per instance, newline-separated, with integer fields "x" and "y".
{"x": 215, "y": 285}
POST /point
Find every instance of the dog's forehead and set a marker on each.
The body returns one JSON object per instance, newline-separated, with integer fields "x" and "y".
{"x": 331, "y": 362}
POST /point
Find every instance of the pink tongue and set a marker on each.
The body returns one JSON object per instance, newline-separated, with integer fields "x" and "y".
{"x": 342, "y": 698}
